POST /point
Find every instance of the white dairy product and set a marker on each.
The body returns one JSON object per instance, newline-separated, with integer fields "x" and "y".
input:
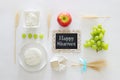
{"x": 31, "y": 19}
{"x": 32, "y": 56}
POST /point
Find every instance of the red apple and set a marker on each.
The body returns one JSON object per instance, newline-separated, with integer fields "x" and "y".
{"x": 64, "y": 19}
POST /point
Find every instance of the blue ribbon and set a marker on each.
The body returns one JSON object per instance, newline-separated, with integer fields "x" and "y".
{"x": 84, "y": 63}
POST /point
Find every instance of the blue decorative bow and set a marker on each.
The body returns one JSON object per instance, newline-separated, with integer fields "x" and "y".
{"x": 84, "y": 63}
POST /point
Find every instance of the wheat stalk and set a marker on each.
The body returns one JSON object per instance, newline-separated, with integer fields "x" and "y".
{"x": 15, "y": 29}
{"x": 95, "y": 17}
{"x": 48, "y": 22}
{"x": 96, "y": 65}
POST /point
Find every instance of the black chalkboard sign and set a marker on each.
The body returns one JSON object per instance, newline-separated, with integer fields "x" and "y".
{"x": 66, "y": 41}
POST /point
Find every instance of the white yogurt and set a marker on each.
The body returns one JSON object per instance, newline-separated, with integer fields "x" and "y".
{"x": 32, "y": 56}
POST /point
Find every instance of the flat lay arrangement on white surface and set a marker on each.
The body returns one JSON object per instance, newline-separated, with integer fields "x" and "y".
{"x": 59, "y": 40}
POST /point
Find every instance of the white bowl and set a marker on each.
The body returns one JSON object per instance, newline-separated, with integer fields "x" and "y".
{"x": 43, "y": 59}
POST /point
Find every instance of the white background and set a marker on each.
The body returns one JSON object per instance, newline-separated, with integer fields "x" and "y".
{"x": 11, "y": 71}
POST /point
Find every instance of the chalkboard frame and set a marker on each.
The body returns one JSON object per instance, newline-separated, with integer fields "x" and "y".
{"x": 66, "y": 50}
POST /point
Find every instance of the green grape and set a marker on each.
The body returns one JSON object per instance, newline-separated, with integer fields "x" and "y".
{"x": 23, "y": 35}
{"x": 105, "y": 46}
{"x": 103, "y": 31}
{"x": 101, "y": 36}
{"x": 100, "y": 26}
{"x": 29, "y": 35}
{"x": 92, "y": 34}
{"x": 99, "y": 48}
{"x": 94, "y": 47}
{"x": 99, "y": 43}
{"x": 103, "y": 43}
{"x": 41, "y": 36}
{"x": 96, "y": 38}
{"x": 92, "y": 38}
{"x": 98, "y": 30}
{"x": 35, "y": 36}
{"x": 86, "y": 45}
{"x": 95, "y": 32}
{"x": 89, "y": 43}
{"x": 92, "y": 41}
{"x": 94, "y": 27}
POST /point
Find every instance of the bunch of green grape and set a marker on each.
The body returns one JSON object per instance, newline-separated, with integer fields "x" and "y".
{"x": 96, "y": 41}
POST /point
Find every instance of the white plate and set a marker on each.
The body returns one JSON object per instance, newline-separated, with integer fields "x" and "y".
{"x": 43, "y": 57}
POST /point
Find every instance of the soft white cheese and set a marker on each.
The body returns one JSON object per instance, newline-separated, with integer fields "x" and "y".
{"x": 32, "y": 56}
{"x": 32, "y": 19}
